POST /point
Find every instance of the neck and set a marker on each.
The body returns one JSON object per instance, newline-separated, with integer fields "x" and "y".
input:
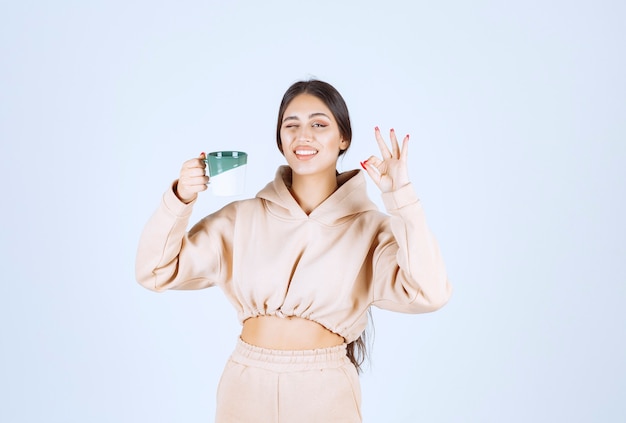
{"x": 311, "y": 190}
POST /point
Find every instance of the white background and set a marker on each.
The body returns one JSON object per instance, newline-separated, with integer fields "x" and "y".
{"x": 516, "y": 112}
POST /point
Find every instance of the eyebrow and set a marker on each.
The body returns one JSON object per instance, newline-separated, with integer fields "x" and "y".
{"x": 312, "y": 115}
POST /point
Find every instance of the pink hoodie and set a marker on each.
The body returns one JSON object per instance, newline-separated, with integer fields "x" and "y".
{"x": 271, "y": 258}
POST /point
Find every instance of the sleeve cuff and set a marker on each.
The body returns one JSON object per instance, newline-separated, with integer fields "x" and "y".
{"x": 400, "y": 198}
{"x": 173, "y": 204}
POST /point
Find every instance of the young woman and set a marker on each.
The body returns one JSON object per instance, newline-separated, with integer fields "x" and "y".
{"x": 301, "y": 262}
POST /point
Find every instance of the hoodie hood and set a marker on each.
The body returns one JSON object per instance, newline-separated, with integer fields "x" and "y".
{"x": 348, "y": 200}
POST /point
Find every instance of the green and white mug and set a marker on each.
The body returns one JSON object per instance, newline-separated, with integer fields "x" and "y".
{"x": 227, "y": 172}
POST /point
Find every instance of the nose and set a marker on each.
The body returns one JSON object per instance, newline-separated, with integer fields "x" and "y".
{"x": 305, "y": 133}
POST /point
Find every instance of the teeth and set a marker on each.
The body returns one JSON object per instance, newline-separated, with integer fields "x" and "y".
{"x": 305, "y": 152}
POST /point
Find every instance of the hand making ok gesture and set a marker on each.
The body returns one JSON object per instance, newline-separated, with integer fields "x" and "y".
{"x": 390, "y": 173}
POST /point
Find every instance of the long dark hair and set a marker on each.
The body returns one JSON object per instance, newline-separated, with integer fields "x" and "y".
{"x": 357, "y": 351}
{"x": 329, "y": 96}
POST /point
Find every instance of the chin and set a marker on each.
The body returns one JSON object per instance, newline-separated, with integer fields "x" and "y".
{"x": 300, "y": 170}
{"x": 315, "y": 166}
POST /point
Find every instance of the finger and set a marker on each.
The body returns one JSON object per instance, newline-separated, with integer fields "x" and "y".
{"x": 197, "y": 187}
{"x": 395, "y": 148}
{"x": 196, "y": 162}
{"x": 372, "y": 167}
{"x": 194, "y": 179}
{"x": 193, "y": 184}
{"x": 381, "y": 144}
{"x": 405, "y": 148}
{"x": 187, "y": 190}
{"x": 193, "y": 171}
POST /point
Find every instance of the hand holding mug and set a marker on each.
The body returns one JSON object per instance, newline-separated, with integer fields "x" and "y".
{"x": 192, "y": 179}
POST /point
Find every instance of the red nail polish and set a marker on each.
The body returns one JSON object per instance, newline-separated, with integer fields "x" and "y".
{"x": 363, "y": 164}
{"x": 392, "y": 130}
{"x": 376, "y": 129}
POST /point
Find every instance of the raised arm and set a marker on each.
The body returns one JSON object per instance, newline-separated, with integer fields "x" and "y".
{"x": 409, "y": 272}
{"x": 169, "y": 257}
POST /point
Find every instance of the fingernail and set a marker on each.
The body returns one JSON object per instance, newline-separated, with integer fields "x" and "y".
{"x": 203, "y": 154}
{"x": 392, "y": 130}
{"x": 407, "y": 136}
{"x": 363, "y": 165}
{"x": 376, "y": 129}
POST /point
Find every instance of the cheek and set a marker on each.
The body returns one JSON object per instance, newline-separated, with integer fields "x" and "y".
{"x": 285, "y": 137}
{"x": 285, "y": 142}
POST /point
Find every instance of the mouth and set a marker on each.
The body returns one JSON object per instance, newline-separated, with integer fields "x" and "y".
{"x": 305, "y": 153}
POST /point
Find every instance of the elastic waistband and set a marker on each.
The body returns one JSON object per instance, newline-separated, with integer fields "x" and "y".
{"x": 289, "y": 360}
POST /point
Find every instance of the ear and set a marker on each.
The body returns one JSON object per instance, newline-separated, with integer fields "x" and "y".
{"x": 343, "y": 144}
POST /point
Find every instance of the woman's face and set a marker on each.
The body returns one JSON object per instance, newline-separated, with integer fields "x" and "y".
{"x": 310, "y": 136}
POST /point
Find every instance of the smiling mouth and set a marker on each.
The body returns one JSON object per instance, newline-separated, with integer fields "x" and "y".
{"x": 306, "y": 152}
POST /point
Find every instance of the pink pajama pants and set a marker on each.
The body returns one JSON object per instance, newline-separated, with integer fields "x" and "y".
{"x": 274, "y": 386}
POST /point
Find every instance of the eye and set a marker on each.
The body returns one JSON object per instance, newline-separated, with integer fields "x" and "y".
{"x": 319, "y": 125}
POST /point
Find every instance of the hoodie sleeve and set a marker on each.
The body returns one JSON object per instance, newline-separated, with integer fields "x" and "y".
{"x": 409, "y": 272}
{"x": 169, "y": 257}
